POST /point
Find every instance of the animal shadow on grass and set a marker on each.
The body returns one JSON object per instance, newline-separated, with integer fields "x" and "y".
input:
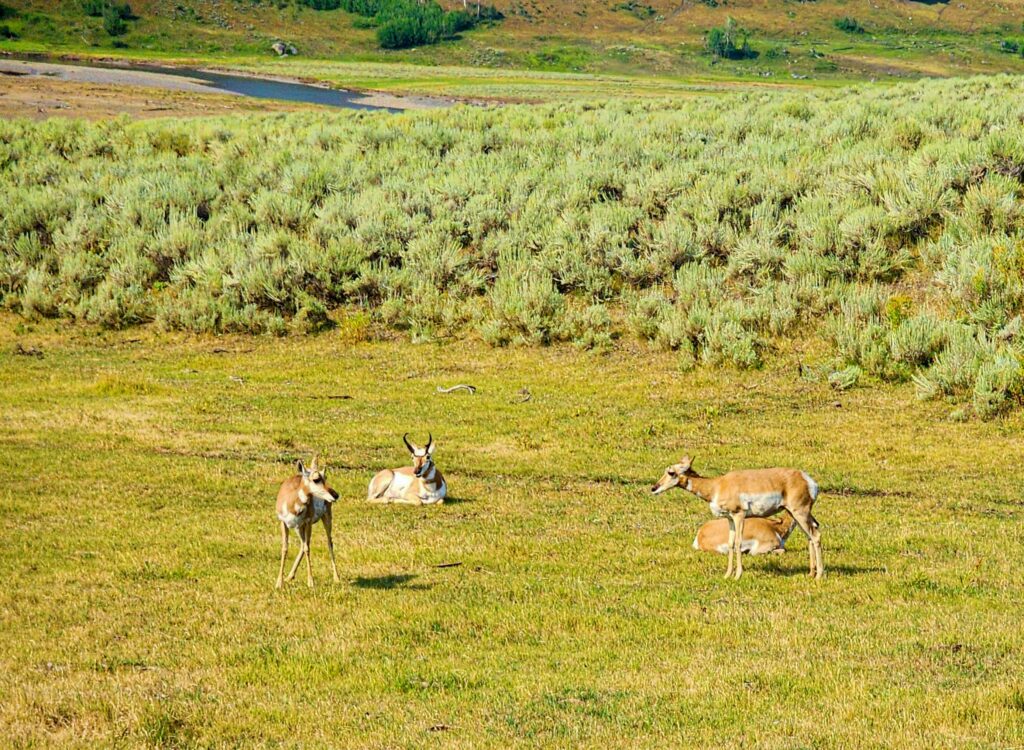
{"x": 450, "y": 500}
{"x": 394, "y": 581}
{"x": 830, "y": 570}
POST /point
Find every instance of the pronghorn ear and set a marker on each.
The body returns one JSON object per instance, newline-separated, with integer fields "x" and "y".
{"x": 313, "y": 466}
{"x": 686, "y": 463}
{"x": 430, "y": 448}
{"x": 300, "y": 467}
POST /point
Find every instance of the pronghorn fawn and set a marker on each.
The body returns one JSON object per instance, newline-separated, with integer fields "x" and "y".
{"x": 754, "y": 493}
{"x": 419, "y": 484}
{"x": 303, "y": 500}
{"x": 760, "y": 535}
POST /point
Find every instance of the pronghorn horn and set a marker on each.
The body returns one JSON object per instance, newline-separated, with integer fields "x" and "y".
{"x": 313, "y": 466}
{"x": 405, "y": 439}
{"x": 430, "y": 440}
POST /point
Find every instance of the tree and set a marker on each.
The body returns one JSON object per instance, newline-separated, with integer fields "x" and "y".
{"x": 722, "y": 42}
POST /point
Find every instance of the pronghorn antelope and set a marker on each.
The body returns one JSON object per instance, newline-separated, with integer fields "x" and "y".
{"x": 757, "y": 493}
{"x": 303, "y": 500}
{"x": 760, "y": 535}
{"x": 419, "y": 484}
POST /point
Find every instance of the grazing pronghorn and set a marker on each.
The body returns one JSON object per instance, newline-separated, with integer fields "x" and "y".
{"x": 760, "y": 535}
{"x": 303, "y": 500}
{"x": 419, "y": 484}
{"x": 757, "y": 493}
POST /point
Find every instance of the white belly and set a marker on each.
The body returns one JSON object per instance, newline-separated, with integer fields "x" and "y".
{"x": 400, "y": 484}
{"x": 293, "y": 521}
{"x": 760, "y": 504}
{"x": 289, "y": 519}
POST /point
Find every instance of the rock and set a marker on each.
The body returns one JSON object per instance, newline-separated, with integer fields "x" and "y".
{"x": 283, "y": 49}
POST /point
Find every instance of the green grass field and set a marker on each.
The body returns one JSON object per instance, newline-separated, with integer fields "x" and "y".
{"x": 141, "y": 549}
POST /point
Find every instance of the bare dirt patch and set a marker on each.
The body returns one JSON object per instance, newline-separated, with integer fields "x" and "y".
{"x": 38, "y": 89}
{"x": 39, "y": 97}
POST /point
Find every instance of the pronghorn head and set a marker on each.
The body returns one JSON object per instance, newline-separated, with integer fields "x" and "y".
{"x": 422, "y": 459}
{"x": 673, "y": 475}
{"x": 314, "y": 481}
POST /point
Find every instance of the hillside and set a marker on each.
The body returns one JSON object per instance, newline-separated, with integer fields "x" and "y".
{"x": 888, "y": 38}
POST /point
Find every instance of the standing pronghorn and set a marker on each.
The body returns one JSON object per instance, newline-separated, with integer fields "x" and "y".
{"x": 303, "y": 500}
{"x": 756, "y": 492}
{"x": 419, "y": 484}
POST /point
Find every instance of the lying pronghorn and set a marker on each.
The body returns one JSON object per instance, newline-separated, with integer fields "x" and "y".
{"x": 760, "y": 535}
{"x": 420, "y": 484}
{"x": 303, "y": 500}
{"x": 757, "y": 493}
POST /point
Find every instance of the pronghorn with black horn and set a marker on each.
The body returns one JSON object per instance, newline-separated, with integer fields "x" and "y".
{"x": 755, "y": 493}
{"x": 419, "y": 484}
{"x": 303, "y": 500}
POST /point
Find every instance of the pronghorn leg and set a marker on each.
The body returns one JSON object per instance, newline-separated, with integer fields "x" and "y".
{"x": 820, "y": 567}
{"x": 738, "y": 523}
{"x": 379, "y": 485}
{"x": 809, "y": 526}
{"x": 284, "y": 553}
{"x": 732, "y": 545}
{"x": 330, "y": 544}
{"x": 307, "y": 536}
{"x": 298, "y": 557}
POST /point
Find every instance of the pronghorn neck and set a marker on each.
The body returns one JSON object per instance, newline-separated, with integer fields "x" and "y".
{"x": 429, "y": 478}
{"x": 702, "y": 487}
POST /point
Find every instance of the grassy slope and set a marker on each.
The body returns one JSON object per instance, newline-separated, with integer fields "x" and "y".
{"x": 141, "y": 551}
{"x": 905, "y": 38}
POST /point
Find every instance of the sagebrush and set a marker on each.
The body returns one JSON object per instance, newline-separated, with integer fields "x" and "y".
{"x": 887, "y": 221}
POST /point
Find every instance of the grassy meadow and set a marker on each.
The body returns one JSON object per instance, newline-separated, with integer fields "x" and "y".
{"x": 141, "y": 548}
{"x": 829, "y": 279}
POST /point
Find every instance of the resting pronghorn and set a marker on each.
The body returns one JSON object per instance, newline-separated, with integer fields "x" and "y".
{"x": 760, "y": 535}
{"x": 757, "y": 493}
{"x": 419, "y": 484}
{"x": 303, "y": 500}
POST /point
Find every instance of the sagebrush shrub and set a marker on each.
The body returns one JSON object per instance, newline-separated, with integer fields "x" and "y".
{"x": 888, "y": 221}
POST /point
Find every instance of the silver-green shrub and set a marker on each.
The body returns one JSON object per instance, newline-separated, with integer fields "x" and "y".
{"x": 886, "y": 220}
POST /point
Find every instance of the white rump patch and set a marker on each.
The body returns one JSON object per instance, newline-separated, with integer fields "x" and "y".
{"x": 812, "y": 486}
{"x": 760, "y": 503}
